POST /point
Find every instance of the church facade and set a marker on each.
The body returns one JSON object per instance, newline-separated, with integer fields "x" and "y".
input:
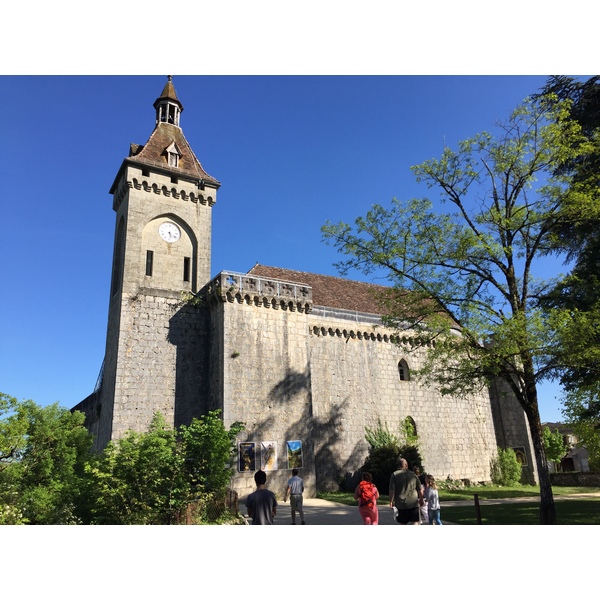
{"x": 301, "y": 359}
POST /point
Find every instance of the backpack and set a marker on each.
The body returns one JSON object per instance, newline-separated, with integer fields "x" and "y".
{"x": 367, "y": 494}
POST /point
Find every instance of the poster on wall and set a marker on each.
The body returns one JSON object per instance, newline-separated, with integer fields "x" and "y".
{"x": 294, "y": 454}
{"x": 268, "y": 456}
{"x": 246, "y": 456}
{"x": 521, "y": 456}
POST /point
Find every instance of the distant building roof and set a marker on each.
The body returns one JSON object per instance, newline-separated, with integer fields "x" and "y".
{"x": 334, "y": 292}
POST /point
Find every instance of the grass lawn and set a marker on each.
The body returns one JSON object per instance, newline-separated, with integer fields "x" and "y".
{"x": 568, "y": 512}
{"x": 488, "y": 492}
{"x": 494, "y": 492}
{"x": 584, "y": 511}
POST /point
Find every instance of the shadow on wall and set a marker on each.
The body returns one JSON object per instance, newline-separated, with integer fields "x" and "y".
{"x": 320, "y": 434}
{"x": 188, "y": 332}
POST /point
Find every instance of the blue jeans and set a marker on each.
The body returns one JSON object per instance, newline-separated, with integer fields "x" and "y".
{"x": 434, "y": 517}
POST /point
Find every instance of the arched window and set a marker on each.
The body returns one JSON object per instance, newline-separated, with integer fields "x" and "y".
{"x": 410, "y": 430}
{"x": 403, "y": 371}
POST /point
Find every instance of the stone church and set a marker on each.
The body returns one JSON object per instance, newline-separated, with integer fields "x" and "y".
{"x": 302, "y": 359}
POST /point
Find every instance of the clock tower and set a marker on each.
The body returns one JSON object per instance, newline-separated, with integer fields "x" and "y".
{"x": 163, "y": 200}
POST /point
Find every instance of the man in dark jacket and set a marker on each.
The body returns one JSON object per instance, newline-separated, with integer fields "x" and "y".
{"x": 406, "y": 494}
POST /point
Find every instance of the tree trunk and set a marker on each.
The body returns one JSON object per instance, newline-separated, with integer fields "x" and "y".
{"x": 547, "y": 511}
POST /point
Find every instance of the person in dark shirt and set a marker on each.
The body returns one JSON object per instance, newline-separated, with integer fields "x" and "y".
{"x": 406, "y": 494}
{"x": 261, "y": 504}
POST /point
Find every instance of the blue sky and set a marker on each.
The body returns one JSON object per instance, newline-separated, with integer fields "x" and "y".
{"x": 291, "y": 152}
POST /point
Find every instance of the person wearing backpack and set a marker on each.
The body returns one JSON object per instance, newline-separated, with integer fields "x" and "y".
{"x": 366, "y": 493}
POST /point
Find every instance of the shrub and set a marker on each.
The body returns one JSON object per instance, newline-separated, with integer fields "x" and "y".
{"x": 380, "y": 437}
{"x": 383, "y": 461}
{"x": 506, "y": 469}
{"x": 413, "y": 456}
{"x": 385, "y": 449}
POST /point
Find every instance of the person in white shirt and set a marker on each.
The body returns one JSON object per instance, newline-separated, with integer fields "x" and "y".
{"x": 295, "y": 490}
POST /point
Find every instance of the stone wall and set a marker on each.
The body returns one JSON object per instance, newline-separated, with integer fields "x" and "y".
{"x": 575, "y": 478}
{"x": 261, "y": 375}
{"x": 145, "y": 200}
{"x": 294, "y": 371}
{"x": 145, "y": 378}
{"x": 356, "y": 382}
{"x": 263, "y": 354}
{"x": 163, "y": 366}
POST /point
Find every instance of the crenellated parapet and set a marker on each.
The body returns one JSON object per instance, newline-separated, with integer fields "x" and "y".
{"x": 268, "y": 293}
{"x": 357, "y": 333}
{"x": 182, "y": 190}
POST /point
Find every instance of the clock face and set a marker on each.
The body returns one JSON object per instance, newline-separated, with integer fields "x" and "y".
{"x": 169, "y": 232}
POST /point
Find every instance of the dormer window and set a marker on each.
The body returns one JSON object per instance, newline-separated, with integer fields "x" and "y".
{"x": 173, "y": 155}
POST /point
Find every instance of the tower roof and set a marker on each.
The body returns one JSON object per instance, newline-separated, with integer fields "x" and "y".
{"x": 154, "y": 153}
{"x": 169, "y": 93}
{"x": 165, "y": 139}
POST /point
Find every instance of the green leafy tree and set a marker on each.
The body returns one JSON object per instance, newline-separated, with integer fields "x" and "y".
{"x": 44, "y": 451}
{"x": 554, "y": 445}
{"x": 209, "y": 451}
{"x": 577, "y": 238}
{"x": 581, "y": 412}
{"x": 13, "y": 429}
{"x": 471, "y": 269}
{"x": 48, "y": 474}
{"x": 140, "y": 479}
{"x": 506, "y": 468}
{"x": 151, "y": 477}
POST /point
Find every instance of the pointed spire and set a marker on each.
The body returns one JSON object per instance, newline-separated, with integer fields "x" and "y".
{"x": 167, "y": 105}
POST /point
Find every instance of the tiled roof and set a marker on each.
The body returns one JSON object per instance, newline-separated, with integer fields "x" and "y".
{"x": 153, "y": 153}
{"x": 333, "y": 292}
{"x": 169, "y": 93}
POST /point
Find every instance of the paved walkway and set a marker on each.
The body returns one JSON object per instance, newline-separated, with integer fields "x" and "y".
{"x": 323, "y": 512}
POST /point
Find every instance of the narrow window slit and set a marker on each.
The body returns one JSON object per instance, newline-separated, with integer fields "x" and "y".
{"x": 149, "y": 261}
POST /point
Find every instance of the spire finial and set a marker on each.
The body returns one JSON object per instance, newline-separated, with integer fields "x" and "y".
{"x": 167, "y": 105}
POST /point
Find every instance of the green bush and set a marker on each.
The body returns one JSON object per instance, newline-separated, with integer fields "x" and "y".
{"x": 383, "y": 461}
{"x": 506, "y": 469}
{"x": 380, "y": 437}
{"x": 385, "y": 449}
